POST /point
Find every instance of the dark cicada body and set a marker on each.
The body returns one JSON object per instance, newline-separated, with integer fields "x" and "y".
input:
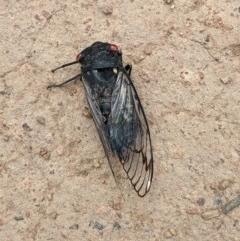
{"x": 117, "y": 112}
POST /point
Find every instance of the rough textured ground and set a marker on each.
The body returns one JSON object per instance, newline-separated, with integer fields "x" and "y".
{"x": 55, "y": 183}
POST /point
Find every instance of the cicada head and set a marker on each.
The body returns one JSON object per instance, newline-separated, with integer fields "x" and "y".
{"x": 99, "y": 56}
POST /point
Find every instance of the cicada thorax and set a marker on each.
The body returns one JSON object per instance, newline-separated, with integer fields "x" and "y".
{"x": 102, "y": 83}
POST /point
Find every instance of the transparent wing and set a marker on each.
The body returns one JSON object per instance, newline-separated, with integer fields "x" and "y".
{"x": 101, "y": 127}
{"x": 129, "y": 134}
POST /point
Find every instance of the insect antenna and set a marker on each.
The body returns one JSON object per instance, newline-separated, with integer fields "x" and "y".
{"x": 65, "y": 65}
{"x": 67, "y": 81}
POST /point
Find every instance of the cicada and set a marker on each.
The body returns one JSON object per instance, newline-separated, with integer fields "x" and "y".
{"x": 117, "y": 112}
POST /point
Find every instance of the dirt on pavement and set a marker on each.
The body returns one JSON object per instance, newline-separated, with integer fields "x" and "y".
{"x": 55, "y": 182}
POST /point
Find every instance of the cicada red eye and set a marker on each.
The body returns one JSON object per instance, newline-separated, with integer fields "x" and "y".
{"x": 78, "y": 57}
{"x": 114, "y": 47}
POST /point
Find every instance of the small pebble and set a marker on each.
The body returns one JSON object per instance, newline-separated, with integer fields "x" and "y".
{"x": 60, "y": 150}
{"x": 217, "y": 224}
{"x": 72, "y": 91}
{"x": 26, "y": 127}
{"x": 210, "y": 214}
{"x": 226, "y": 80}
{"x": 116, "y": 205}
{"x": 116, "y": 225}
{"x": 37, "y": 17}
{"x": 6, "y": 138}
{"x": 170, "y": 233}
{"x": 44, "y": 153}
{"x": 107, "y": 9}
{"x": 201, "y": 75}
{"x": 213, "y": 185}
{"x": 41, "y": 120}
{"x": 207, "y": 38}
{"x": 168, "y": 2}
{"x": 50, "y": 197}
{"x": 53, "y": 215}
{"x": 201, "y": 201}
{"x": 224, "y": 184}
{"x": 97, "y": 225}
{"x": 18, "y": 218}
{"x": 87, "y": 113}
{"x": 167, "y": 234}
{"x": 46, "y": 14}
{"x": 74, "y": 226}
{"x": 192, "y": 210}
{"x": 148, "y": 49}
{"x": 97, "y": 164}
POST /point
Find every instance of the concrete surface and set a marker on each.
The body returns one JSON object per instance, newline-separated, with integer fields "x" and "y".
{"x": 55, "y": 183}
